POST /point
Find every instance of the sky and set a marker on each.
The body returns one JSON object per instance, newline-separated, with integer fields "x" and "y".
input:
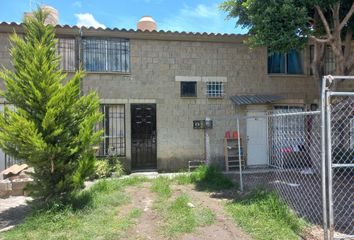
{"x": 184, "y": 15}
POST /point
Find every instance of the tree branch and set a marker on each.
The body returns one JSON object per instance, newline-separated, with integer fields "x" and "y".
{"x": 347, "y": 43}
{"x": 320, "y": 40}
{"x": 347, "y": 17}
{"x": 350, "y": 63}
{"x": 335, "y": 13}
{"x": 324, "y": 21}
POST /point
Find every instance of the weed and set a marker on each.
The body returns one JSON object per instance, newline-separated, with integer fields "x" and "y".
{"x": 161, "y": 186}
{"x": 265, "y": 216}
{"x": 209, "y": 178}
{"x": 180, "y": 218}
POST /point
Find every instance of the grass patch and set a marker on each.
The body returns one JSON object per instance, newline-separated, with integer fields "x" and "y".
{"x": 183, "y": 179}
{"x": 265, "y": 216}
{"x": 92, "y": 215}
{"x": 180, "y": 218}
{"x": 209, "y": 178}
{"x": 161, "y": 186}
{"x": 177, "y": 216}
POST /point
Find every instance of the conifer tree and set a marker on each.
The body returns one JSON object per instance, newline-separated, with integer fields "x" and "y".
{"x": 52, "y": 124}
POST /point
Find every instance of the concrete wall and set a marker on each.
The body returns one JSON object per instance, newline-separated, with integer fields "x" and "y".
{"x": 154, "y": 66}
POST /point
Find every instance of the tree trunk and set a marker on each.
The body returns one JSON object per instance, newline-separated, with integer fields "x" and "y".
{"x": 348, "y": 53}
{"x": 317, "y": 65}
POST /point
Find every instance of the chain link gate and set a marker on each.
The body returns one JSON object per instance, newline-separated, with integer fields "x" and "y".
{"x": 312, "y": 157}
{"x": 295, "y": 156}
{"x": 339, "y": 139}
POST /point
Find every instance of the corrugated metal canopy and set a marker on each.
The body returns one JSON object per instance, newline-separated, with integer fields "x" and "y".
{"x": 254, "y": 99}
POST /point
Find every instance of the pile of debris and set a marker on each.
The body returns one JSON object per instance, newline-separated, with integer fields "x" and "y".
{"x": 15, "y": 179}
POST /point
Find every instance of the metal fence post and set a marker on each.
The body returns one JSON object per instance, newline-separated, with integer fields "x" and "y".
{"x": 239, "y": 154}
{"x": 323, "y": 158}
{"x": 329, "y": 164}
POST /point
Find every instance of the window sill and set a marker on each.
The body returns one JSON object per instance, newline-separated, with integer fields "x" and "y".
{"x": 286, "y": 75}
{"x": 115, "y": 73}
{"x": 189, "y": 97}
{"x": 212, "y": 97}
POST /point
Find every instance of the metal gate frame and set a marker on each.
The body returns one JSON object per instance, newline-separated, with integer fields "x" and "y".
{"x": 326, "y": 152}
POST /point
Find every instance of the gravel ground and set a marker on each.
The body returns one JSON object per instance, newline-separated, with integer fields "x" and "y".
{"x": 12, "y": 211}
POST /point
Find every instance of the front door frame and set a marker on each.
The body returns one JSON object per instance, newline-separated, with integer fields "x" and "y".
{"x": 259, "y": 114}
{"x": 134, "y": 162}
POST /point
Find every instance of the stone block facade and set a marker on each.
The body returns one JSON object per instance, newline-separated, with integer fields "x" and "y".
{"x": 158, "y": 59}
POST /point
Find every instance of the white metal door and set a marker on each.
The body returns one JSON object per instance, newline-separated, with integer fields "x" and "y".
{"x": 257, "y": 144}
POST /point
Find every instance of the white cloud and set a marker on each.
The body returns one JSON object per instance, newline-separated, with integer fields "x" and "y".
{"x": 200, "y": 11}
{"x": 87, "y": 20}
{"x": 201, "y": 18}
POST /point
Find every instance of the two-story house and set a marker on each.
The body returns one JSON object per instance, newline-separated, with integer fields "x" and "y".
{"x": 154, "y": 84}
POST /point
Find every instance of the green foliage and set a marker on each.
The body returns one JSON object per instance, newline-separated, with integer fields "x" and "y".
{"x": 102, "y": 169}
{"x": 115, "y": 165}
{"x": 52, "y": 126}
{"x": 183, "y": 179}
{"x": 106, "y": 167}
{"x": 282, "y": 25}
{"x": 265, "y": 216}
{"x": 92, "y": 215}
{"x": 161, "y": 186}
{"x": 210, "y": 178}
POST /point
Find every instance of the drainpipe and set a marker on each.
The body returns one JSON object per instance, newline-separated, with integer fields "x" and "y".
{"x": 207, "y": 141}
{"x": 78, "y": 58}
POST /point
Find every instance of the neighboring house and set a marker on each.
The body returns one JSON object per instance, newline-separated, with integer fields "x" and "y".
{"x": 153, "y": 84}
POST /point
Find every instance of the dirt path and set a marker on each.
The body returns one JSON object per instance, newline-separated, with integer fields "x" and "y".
{"x": 224, "y": 227}
{"x": 147, "y": 226}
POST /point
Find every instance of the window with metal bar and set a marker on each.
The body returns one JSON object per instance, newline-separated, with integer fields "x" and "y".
{"x": 113, "y": 126}
{"x": 215, "y": 89}
{"x": 66, "y": 49}
{"x": 329, "y": 60}
{"x": 5, "y": 159}
{"x": 106, "y": 55}
{"x": 291, "y": 128}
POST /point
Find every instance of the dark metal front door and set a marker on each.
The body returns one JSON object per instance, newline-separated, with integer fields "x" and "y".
{"x": 143, "y": 124}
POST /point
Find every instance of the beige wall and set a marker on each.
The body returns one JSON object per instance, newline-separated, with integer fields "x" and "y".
{"x": 154, "y": 66}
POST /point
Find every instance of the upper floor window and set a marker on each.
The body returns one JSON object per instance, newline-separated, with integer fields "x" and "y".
{"x": 66, "y": 49}
{"x": 285, "y": 63}
{"x": 329, "y": 60}
{"x": 106, "y": 55}
{"x": 215, "y": 89}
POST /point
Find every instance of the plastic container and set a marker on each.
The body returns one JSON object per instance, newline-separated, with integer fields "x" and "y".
{"x": 227, "y": 134}
{"x": 235, "y": 134}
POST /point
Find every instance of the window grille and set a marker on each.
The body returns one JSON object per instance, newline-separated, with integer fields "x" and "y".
{"x": 106, "y": 55}
{"x": 8, "y": 159}
{"x": 329, "y": 60}
{"x": 294, "y": 125}
{"x": 215, "y": 89}
{"x": 113, "y": 126}
{"x": 66, "y": 49}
